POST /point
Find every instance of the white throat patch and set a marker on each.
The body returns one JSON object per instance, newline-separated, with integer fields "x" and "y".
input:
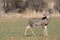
{"x": 48, "y": 16}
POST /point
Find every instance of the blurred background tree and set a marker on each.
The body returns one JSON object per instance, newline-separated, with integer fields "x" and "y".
{"x": 57, "y": 5}
{"x": 37, "y": 5}
{"x": 22, "y": 5}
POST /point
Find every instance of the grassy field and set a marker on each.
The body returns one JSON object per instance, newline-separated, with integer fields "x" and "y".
{"x": 14, "y": 30}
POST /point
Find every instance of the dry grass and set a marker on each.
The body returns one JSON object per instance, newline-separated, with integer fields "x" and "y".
{"x": 12, "y": 27}
{"x": 27, "y": 15}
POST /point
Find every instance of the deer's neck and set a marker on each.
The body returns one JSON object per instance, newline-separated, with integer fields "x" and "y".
{"x": 48, "y": 17}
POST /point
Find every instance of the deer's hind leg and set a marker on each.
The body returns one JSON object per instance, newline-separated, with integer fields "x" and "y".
{"x": 29, "y": 28}
{"x": 32, "y": 31}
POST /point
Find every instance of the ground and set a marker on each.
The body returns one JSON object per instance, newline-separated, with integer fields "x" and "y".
{"x": 13, "y": 29}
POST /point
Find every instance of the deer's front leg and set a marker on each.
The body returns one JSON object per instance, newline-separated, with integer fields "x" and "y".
{"x": 45, "y": 31}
